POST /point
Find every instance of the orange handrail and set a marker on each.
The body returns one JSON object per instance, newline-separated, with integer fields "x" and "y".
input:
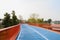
{"x": 9, "y": 33}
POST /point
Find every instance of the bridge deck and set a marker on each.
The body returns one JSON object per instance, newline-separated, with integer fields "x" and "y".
{"x": 33, "y": 33}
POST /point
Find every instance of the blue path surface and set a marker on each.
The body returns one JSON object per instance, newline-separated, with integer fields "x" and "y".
{"x": 28, "y": 32}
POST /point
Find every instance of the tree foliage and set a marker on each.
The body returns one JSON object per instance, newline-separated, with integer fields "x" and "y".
{"x": 49, "y": 21}
{"x": 32, "y": 20}
{"x": 14, "y": 18}
{"x": 6, "y": 20}
{"x": 40, "y": 20}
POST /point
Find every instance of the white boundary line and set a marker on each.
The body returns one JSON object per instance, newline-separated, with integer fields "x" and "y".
{"x": 39, "y": 33}
{"x": 19, "y": 33}
{"x": 34, "y": 31}
{"x": 46, "y": 29}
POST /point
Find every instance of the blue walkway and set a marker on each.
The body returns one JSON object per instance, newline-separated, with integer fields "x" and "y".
{"x": 33, "y": 33}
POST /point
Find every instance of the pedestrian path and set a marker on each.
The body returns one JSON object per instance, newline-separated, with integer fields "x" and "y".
{"x": 28, "y": 32}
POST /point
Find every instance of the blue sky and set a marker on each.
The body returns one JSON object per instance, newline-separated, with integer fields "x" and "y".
{"x": 45, "y": 8}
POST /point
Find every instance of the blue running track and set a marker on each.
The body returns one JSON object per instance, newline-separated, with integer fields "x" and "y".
{"x": 29, "y": 32}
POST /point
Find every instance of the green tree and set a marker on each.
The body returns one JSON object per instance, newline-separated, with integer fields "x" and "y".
{"x": 33, "y": 18}
{"x": 6, "y": 20}
{"x": 40, "y": 20}
{"x": 49, "y": 21}
{"x": 14, "y": 18}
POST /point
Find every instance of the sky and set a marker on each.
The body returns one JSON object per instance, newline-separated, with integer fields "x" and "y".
{"x": 44, "y": 8}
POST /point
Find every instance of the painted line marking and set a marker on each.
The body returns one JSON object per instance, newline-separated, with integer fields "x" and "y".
{"x": 19, "y": 34}
{"x": 39, "y": 33}
{"x": 34, "y": 31}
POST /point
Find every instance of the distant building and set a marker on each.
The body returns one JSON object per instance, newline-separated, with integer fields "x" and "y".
{"x": 56, "y": 25}
{"x": 56, "y": 22}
